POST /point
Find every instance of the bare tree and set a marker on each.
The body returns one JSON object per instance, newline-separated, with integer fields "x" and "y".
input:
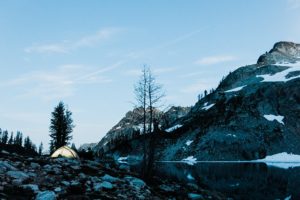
{"x": 148, "y": 95}
{"x": 140, "y": 91}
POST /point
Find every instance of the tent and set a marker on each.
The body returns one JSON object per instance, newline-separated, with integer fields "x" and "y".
{"x": 66, "y": 152}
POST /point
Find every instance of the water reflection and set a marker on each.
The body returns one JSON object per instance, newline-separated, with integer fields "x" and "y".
{"x": 237, "y": 180}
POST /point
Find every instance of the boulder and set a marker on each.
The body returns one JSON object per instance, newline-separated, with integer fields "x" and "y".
{"x": 46, "y": 195}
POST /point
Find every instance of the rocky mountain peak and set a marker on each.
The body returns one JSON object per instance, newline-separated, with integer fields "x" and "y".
{"x": 130, "y": 126}
{"x": 282, "y": 52}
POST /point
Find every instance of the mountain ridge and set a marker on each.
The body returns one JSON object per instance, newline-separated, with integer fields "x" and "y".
{"x": 231, "y": 123}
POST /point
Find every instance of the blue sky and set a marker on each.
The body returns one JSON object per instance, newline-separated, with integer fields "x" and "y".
{"x": 89, "y": 54}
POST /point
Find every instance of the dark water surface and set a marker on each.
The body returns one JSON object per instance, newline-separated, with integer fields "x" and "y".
{"x": 237, "y": 180}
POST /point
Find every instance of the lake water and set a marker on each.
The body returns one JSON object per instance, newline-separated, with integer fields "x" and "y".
{"x": 237, "y": 180}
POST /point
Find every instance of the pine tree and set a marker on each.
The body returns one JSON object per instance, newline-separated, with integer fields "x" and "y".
{"x": 61, "y": 127}
{"x": 73, "y": 147}
{"x": 41, "y": 149}
{"x": 4, "y": 138}
{"x": 11, "y": 138}
{"x": 27, "y": 143}
{"x": 18, "y": 139}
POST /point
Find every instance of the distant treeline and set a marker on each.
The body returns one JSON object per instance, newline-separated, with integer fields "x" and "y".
{"x": 17, "y": 139}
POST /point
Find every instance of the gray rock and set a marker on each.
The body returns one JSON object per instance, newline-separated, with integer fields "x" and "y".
{"x": 6, "y": 166}
{"x": 57, "y": 190}
{"x": 75, "y": 183}
{"x": 17, "y": 175}
{"x": 5, "y": 152}
{"x": 135, "y": 182}
{"x": 65, "y": 183}
{"x": 34, "y": 165}
{"x": 195, "y": 196}
{"x": 76, "y": 167}
{"x": 46, "y": 195}
{"x": 31, "y": 174}
{"x": 17, "y": 182}
{"x": 32, "y": 187}
{"x": 109, "y": 178}
{"x": 167, "y": 188}
{"x": 103, "y": 185}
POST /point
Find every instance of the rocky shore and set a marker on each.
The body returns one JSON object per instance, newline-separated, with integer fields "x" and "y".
{"x": 43, "y": 178}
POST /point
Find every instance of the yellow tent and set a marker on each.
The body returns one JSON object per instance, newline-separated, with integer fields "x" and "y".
{"x": 66, "y": 152}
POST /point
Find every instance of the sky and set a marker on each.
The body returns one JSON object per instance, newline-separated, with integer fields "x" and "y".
{"x": 89, "y": 54}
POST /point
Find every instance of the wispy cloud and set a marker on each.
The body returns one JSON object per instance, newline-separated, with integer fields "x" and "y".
{"x": 212, "y": 60}
{"x": 67, "y": 46}
{"x": 293, "y": 4}
{"x": 57, "y": 83}
{"x": 181, "y": 38}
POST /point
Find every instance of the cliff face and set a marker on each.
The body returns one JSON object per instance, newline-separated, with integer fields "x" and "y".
{"x": 282, "y": 52}
{"x": 254, "y": 112}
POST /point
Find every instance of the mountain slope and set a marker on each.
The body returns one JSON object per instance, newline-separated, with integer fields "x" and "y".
{"x": 130, "y": 127}
{"x": 254, "y": 112}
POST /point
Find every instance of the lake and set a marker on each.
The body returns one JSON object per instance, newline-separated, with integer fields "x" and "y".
{"x": 237, "y": 180}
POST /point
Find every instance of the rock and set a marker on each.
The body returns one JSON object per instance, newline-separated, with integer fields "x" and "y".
{"x": 195, "y": 196}
{"x": 109, "y": 178}
{"x": 167, "y": 188}
{"x": 47, "y": 167}
{"x": 124, "y": 167}
{"x": 32, "y": 187}
{"x": 46, "y": 195}
{"x": 17, "y": 182}
{"x": 6, "y": 166}
{"x": 17, "y": 175}
{"x": 57, "y": 190}
{"x": 34, "y": 165}
{"x": 75, "y": 167}
{"x": 31, "y": 174}
{"x": 65, "y": 183}
{"x": 135, "y": 182}
{"x": 75, "y": 183}
{"x": 5, "y": 152}
{"x": 103, "y": 185}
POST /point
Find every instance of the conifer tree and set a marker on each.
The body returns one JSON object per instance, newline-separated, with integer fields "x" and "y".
{"x": 41, "y": 149}
{"x": 11, "y": 138}
{"x": 61, "y": 127}
{"x": 4, "y": 138}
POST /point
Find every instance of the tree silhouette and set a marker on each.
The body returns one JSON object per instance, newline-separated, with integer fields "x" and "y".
{"x": 41, "y": 149}
{"x": 148, "y": 96}
{"x": 61, "y": 127}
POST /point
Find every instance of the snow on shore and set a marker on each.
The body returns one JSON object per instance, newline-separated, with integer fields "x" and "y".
{"x": 282, "y": 160}
{"x": 190, "y": 160}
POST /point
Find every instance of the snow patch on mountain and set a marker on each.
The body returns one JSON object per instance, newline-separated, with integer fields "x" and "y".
{"x": 282, "y": 76}
{"x": 278, "y": 118}
{"x": 173, "y": 128}
{"x": 206, "y": 107}
{"x": 123, "y": 159}
{"x": 236, "y": 89}
{"x": 189, "y": 142}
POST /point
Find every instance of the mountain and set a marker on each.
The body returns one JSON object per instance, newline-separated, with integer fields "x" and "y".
{"x": 130, "y": 126}
{"x": 87, "y": 146}
{"x": 254, "y": 112}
